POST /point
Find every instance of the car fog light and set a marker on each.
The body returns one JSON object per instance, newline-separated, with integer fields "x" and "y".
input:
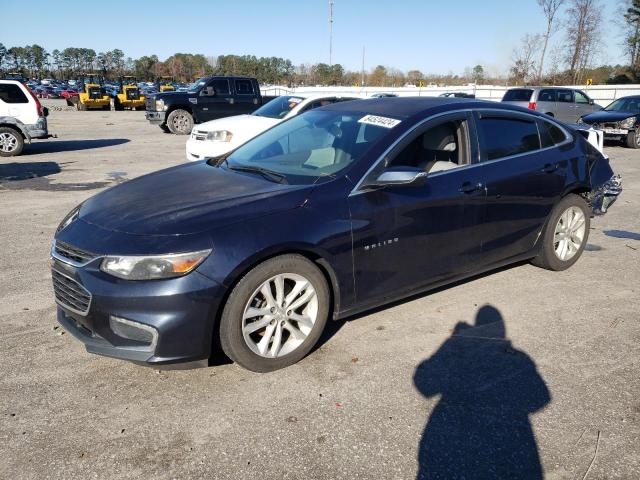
{"x": 134, "y": 331}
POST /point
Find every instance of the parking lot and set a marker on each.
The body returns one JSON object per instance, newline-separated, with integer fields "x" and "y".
{"x": 516, "y": 350}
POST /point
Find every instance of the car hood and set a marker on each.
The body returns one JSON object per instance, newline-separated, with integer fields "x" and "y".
{"x": 189, "y": 198}
{"x": 239, "y": 124}
{"x": 605, "y": 116}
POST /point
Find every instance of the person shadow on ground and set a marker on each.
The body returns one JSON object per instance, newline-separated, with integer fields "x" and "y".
{"x": 480, "y": 428}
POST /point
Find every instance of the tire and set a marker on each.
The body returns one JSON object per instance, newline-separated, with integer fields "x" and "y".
{"x": 11, "y": 142}
{"x": 561, "y": 248}
{"x": 180, "y": 122}
{"x": 117, "y": 106}
{"x": 107, "y": 107}
{"x": 633, "y": 139}
{"x": 241, "y": 334}
{"x": 164, "y": 128}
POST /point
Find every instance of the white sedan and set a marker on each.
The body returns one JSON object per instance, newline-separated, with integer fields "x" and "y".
{"x": 217, "y": 137}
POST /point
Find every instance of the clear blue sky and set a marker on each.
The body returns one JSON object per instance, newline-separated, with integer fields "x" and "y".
{"x": 435, "y": 36}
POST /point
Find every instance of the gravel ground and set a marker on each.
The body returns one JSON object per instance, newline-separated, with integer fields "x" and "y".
{"x": 521, "y": 366}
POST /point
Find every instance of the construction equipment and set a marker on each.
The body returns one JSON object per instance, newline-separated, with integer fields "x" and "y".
{"x": 129, "y": 95}
{"x": 91, "y": 95}
{"x": 165, "y": 84}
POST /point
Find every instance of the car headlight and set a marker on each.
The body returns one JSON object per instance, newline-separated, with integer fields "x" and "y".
{"x": 220, "y": 136}
{"x": 160, "y": 106}
{"x": 581, "y": 121}
{"x": 153, "y": 267}
{"x": 628, "y": 122}
{"x": 69, "y": 218}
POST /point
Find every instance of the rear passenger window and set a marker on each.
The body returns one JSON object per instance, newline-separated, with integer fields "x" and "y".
{"x": 503, "y": 137}
{"x": 550, "y": 134}
{"x": 11, "y": 93}
{"x": 548, "y": 95}
{"x": 565, "y": 96}
{"x": 244, "y": 87}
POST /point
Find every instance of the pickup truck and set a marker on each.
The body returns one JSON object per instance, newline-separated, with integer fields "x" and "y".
{"x": 207, "y": 99}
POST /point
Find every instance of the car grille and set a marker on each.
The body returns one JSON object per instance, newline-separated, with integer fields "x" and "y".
{"x": 133, "y": 94}
{"x": 602, "y": 126}
{"x": 199, "y": 135}
{"x": 70, "y": 294}
{"x": 72, "y": 253}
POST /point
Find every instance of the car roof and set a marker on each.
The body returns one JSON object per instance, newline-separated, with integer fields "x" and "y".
{"x": 405, "y": 107}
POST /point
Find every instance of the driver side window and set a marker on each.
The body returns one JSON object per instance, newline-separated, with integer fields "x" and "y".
{"x": 439, "y": 148}
{"x": 221, "y": 86}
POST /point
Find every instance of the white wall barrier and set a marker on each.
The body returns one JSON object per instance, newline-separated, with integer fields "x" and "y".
{"x": 602, "y": 94}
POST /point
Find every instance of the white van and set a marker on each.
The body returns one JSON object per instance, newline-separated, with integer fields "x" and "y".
{"x": 22, "y": 118}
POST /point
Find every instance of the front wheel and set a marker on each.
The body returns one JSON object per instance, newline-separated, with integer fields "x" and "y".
{"x": 275, "y": 314}
{"x": 180, "y": 122}
{"x": 11, "y": 142}
{"x": 565, "y": 234}
{"x": 633, "y": 139}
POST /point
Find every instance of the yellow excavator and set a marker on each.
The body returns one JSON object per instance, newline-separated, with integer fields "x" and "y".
{"x": 165, "y": 84}
{"x": 91, "y": 95}
{"x": 128, "y": 95}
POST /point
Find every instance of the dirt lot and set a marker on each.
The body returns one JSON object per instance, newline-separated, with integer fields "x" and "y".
{"x": 519, "y": 364}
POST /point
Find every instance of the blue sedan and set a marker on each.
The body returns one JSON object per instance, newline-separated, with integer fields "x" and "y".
{"x": 336, "y": 211}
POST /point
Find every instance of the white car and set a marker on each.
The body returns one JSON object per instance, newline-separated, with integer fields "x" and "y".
{"x": 22, "y": 118}
{"x": 217, "y": 137}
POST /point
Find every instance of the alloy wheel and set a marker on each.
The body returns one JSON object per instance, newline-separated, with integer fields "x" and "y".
{"x": 279, "y": 315}
{"x": 569, "y": 233}
{"x": 8, "y": 142}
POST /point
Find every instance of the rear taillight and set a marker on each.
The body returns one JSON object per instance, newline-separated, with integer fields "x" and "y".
{"x": 533, "y": 105}
{"x": 38, "y": 104}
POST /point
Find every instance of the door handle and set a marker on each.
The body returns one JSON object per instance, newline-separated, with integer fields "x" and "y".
{"x": 468, "y": 187}
{"x": 550, "y": 167}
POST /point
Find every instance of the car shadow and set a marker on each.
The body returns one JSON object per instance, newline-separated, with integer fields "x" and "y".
{"x": 487, "y": 389}
{"x": 55, "y": 146}
{"x": 27, "y": 170}
{"x": 334, "y": 326}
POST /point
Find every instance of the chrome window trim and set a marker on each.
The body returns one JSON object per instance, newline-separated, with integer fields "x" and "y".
{"x": 568, "y": 139}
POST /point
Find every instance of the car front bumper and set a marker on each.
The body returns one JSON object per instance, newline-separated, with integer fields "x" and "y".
{"x": 180, "y": 312}
{"x": 155, "y": 118}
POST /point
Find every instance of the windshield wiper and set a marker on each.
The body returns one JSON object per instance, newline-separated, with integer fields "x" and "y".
{"x": 268, "y": 174}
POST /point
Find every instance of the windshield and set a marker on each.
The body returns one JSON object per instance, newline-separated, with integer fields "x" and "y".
{"x": 631, "y": 104}
{"x": 278, "y": 107}
{"x": 197, "y": 85}
{"x": 308, "y": 147}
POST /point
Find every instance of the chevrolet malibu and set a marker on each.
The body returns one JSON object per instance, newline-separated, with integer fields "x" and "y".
{"x": 335, "y": 211}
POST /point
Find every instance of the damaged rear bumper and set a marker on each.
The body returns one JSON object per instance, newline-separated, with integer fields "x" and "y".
{"x": 602, "y": 197}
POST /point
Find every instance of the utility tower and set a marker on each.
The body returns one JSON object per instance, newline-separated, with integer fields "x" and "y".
{"x": 330, "y": 32}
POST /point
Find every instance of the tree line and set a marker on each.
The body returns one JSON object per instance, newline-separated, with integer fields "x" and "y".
{"x": 566, "y": 52}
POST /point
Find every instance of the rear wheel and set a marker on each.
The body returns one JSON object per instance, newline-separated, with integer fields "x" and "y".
{"x": 633, "y": 139}
{"x": 565, "y": 235}
{"x": 180, "y": 122}
{"x": 11, "y": 142}
{"x": 117, "y": 106}
{"x": 275, "y": 314}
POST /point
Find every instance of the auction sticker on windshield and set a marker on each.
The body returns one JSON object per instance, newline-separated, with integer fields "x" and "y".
{"x": 379, "y": 121}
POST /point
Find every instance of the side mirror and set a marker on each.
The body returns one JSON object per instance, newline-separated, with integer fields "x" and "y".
{"x": 591, "y": 102}
{"x": 399, "y": 176}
